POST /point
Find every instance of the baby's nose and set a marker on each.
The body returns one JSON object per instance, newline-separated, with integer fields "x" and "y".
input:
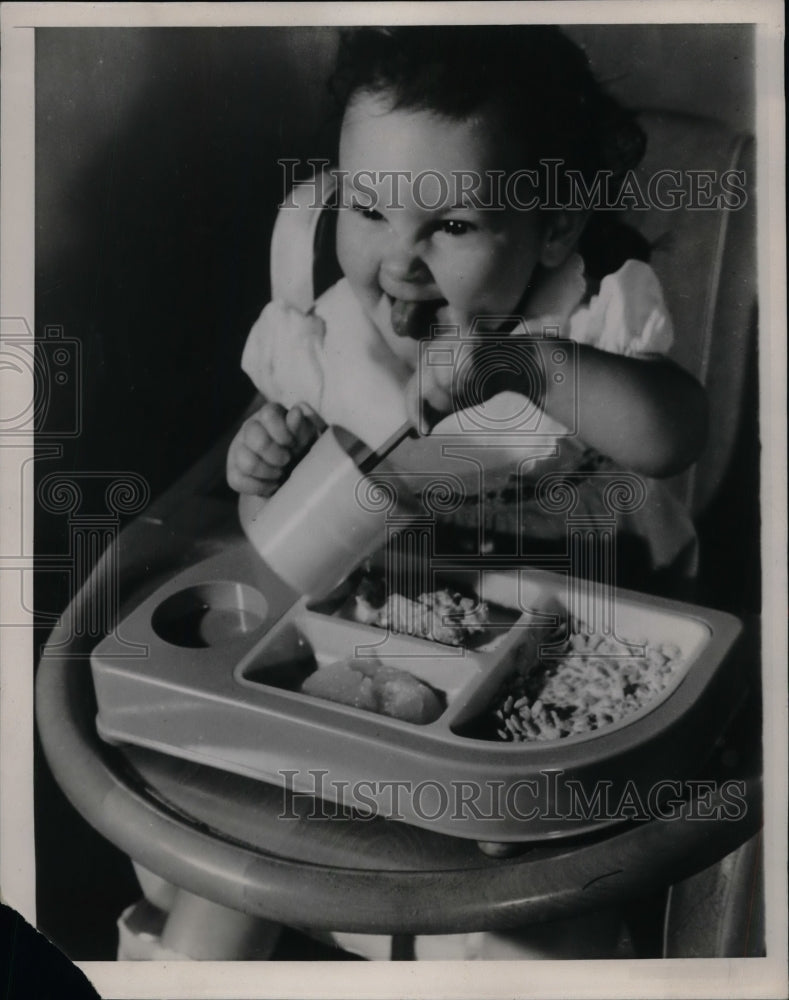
{"x": 403, "y": 263}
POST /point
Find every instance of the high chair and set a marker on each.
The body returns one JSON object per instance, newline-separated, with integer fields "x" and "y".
{"x": 210, "y": 847}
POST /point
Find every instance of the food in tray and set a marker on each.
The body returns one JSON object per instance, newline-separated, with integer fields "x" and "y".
{"x": 589, "y": 684}
{"x": 441, "y": 615}
{"x": 372, "y": 686}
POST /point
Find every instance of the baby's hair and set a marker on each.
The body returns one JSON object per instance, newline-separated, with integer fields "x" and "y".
{"x": 535, "y": 82}
{"x": 534, "y": 79}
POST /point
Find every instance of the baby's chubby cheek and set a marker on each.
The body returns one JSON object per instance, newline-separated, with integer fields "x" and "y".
{"x": 357, "y": 254}
{"x": 495, "y": 285}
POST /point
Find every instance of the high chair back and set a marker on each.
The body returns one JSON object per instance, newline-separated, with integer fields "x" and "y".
{"x": 705, "y": 257}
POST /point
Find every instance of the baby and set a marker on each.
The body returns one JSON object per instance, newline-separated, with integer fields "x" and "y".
{"x": 458, "y": 147}
{"x": 457, "y": 237}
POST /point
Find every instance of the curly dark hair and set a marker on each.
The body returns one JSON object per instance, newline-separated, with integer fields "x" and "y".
{"x": 535, "y": 81}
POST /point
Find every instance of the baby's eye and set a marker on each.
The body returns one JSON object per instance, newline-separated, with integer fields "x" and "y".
{"x": 455, "y": 227}
{"x": 368, "y": 212}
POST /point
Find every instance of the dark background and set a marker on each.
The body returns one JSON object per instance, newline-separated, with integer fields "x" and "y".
{"x": 156, "y": 188}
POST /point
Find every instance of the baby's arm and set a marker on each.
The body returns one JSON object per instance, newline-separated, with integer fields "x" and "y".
{"x": 267, "y": 445}
{"x": 647, "y": 414}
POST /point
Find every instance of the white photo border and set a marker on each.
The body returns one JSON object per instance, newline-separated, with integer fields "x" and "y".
{"x": 745, "y": 978}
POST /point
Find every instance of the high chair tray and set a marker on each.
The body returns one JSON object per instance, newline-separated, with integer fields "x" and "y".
{"x": 210, "y": 667}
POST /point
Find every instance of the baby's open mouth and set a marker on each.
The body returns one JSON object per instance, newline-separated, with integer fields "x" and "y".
{"x": 414, "y": 318}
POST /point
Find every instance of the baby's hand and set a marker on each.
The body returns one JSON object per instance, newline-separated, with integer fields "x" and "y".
{"x": 264, "y": 450}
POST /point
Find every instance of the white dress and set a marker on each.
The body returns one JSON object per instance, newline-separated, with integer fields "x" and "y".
{"x": 494, "y": 456}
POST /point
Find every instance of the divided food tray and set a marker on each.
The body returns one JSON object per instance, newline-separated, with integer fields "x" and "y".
{"x": 228, "y": 647}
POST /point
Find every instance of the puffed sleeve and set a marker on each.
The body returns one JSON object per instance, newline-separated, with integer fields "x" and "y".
{"x": 628, "y": 315}
{"x": 282, "y": 356}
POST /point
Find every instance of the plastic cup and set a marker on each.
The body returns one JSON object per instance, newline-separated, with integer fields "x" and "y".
{"x": 326, "y": 518}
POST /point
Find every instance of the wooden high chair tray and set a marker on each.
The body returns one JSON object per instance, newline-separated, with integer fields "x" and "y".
{"x": 207, "y": 668}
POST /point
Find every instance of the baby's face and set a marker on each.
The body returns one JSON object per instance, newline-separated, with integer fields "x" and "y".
{"x": 409, "y": 241}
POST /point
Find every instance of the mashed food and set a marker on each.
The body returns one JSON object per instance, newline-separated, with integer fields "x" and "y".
{"x": 441, "y": 615}
{"x": 369, "y": 685}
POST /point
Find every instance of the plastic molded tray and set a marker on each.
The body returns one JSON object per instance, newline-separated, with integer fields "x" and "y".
{"x": 228, "y": 645}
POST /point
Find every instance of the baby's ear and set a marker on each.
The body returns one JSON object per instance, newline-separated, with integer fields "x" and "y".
{"x": 561, "y": 236}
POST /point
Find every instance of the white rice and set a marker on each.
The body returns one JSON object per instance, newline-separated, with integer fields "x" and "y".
{"x": 586, "y": 684}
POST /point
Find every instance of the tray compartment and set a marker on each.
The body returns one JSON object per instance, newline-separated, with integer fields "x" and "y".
{"x": 307, "y": 643}
{"x": 496, "y": 589}
{"x": 636, "y": 632}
